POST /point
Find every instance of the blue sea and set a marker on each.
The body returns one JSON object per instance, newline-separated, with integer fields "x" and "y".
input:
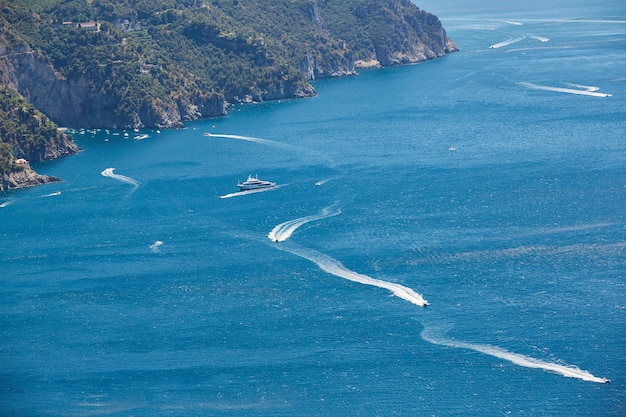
{"x": 490, "y": 184}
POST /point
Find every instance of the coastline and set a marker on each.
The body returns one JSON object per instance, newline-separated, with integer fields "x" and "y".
{"x": 24, "y": 177}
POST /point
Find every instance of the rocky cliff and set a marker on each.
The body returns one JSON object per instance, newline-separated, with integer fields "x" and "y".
{"x": 168, "y": 62}
{"x": 27, "y": 135}
{"x": 74, "y": 101}
{"x": 389, "y": 32}
{"x": 180, "y": 60}
{"x": 25, "y": 176}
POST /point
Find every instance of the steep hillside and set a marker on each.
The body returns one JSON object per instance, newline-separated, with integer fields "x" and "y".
{"x": 27, "y": 135}
{"x": 136, "y": 63}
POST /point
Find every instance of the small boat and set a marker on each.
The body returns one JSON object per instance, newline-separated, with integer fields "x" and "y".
{"x": 254, "y": 183}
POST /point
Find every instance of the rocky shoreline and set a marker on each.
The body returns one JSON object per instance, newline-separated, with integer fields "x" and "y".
{"x": 111, "y": 82}
{"x": 191, "y": 62}
{"x": 24, "y": 177}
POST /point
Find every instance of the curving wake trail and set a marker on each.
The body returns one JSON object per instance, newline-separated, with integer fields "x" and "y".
{"x": 540, "y": 38}
{"x": 274, "y": 144}
{"x": 507, "y": 42}
{"x": 244, "y": 138}
{"x": 123, "y": 178}
{"x": 284, "y": 230}
{"x": 516, "y": 358}
{"x": 266, "y": 142}
{"x": 584, "y": 87}
{"x": 334, "y": 267}
{"x": 53, "y": 194}
{"x": 580, "y": 90}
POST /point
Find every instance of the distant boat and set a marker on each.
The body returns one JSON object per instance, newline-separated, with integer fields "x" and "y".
{"x": 254, "y": 183}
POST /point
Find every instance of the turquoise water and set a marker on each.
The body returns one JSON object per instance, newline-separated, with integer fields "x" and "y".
{"x": 491, "y": 183}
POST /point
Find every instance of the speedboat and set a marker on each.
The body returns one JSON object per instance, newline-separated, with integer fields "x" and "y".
{"x": 254, "y": 183}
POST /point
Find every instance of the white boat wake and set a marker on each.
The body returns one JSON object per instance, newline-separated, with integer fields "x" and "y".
{"x": 580, "y": 89}
{"x": 260, "y": 141}
{"x": 507, "y": 42}
{"x": 246, "y": 138}
{"x": 52, "y": 194}
{"x": 123, "y": 178}
{"x": 322, "y": 182}
{"x": 7, "y": 203}
{"x": 284, "y": 230}
{"x": 298, "y": 150}
{"x": 516, "y": 358}
{"x": 540, "y": 38}
{"x": 155, "y": 246}
{"x": 334, "y": 267}
{"x": 242, "y": 193}
{"x": 583, "y": 87}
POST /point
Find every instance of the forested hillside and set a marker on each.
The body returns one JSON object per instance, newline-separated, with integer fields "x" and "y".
{"x": 158, "y": 63}
{"x": 134, "y": 63}
{"x": 26, "y": 134}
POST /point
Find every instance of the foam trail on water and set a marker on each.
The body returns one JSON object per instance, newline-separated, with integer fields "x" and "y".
{"x": 275, "y": 144}
{"x": 322, "y": 182}
{"x": 52, "y": 194}
{"x": 516, "y": 358}
{"x": 334, "y": 267}
{"x": 540, "y": 38}
{"x": 109, "y": 173}
{"x": 246, "y": 138}
{"x": 7, "y": 203}
{"x": 284, "y": 230}
{"x": 155, "y": 246}
{"x": 585, "y": 91}
{"x": 584, "y": 87}
{"x": 507, "y": 42}
{"x": 266, "y": 142}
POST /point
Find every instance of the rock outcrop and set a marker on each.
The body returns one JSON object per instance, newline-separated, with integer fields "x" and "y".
{"x": 392, "y": 32}
{"x": 26, "y": 134}
{"x": 25, "y": 176}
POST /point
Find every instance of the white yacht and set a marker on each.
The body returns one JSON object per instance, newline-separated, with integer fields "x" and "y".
{"x": 254, "y": 183}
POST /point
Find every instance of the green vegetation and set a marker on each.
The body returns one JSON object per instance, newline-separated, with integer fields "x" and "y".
{"x": 132, "y": 63}
{"x": 138, "y": 60}
{"x": 6, "y": 159}
{"x": 150, "y": 51}
{"x": 23, "y": 131}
